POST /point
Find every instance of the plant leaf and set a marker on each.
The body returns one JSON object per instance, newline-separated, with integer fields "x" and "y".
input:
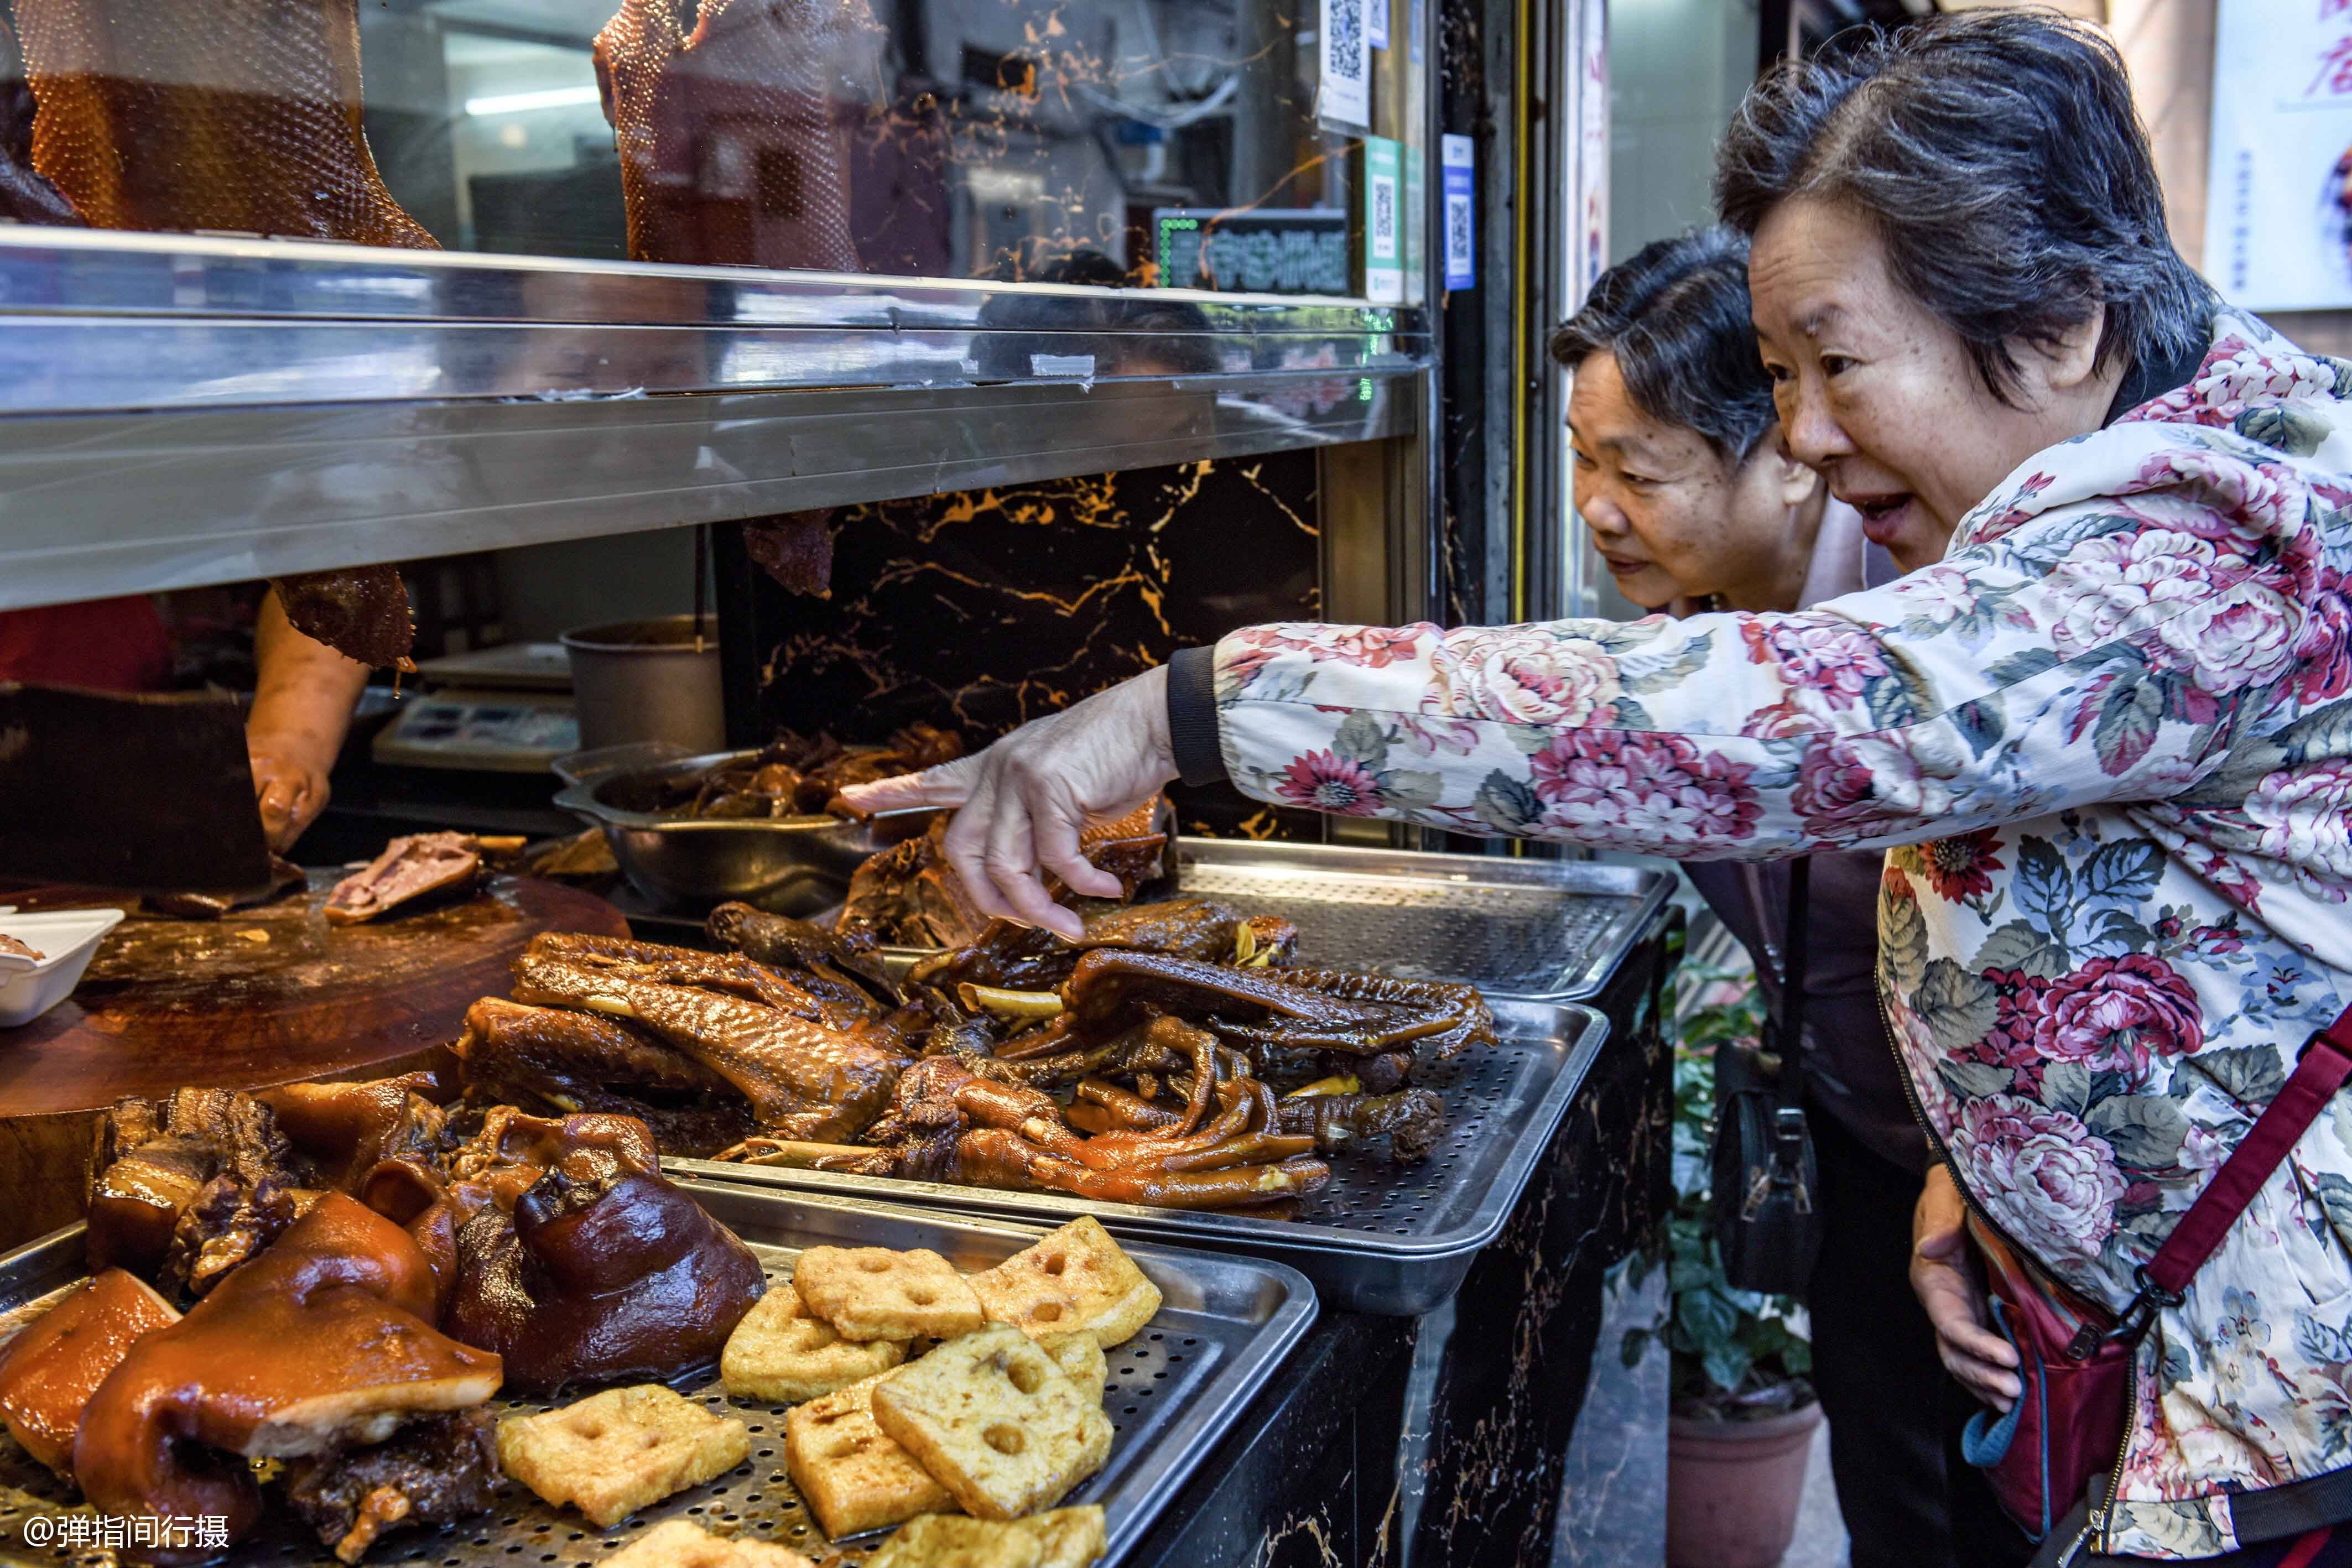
{"x": 2127, "y": 723}
{"x": 2067, "y": 1086}
{"x": 2045, "y": 887}
{"x": 1975, "y": 1080}
{"x": 2013, "y": 668}
{"x": 1958, "y": 1007}
{"x": 1902, "y": 943}
{"x": 1507, "y": 805}
{"x": 2017, "y": 946}
{"x": 2250, "y": 1074}
{"x": 2144, "y": 1129}
{"x": 1647, "y": 674}
{"x": 1360, "y": 739}
{"x": 2124, "y": 870}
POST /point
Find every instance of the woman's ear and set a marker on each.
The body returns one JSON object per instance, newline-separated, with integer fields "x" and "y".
{"x": 2071, "y": 362}
{"x": 1793, "y": 482}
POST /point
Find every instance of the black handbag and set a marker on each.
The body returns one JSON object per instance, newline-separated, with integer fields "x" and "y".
{"x": 1768, "y": 1226}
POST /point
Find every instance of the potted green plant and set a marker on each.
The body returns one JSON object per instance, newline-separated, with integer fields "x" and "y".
{"x": 1743, "y": 1413}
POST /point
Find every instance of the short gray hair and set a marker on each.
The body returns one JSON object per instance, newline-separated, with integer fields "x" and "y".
{"x": 1999, "y": 156}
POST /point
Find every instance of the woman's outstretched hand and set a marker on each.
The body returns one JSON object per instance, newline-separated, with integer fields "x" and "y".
{"x": 1946, "y": 1283}
{"x": 1021, "y": 802}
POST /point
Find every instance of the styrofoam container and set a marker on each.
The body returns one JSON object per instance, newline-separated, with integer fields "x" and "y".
{"x": 64, "y": 938}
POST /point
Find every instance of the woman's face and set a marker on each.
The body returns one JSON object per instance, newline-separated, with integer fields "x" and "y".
{"x": 1878, "y": 393}
{"x": 1671, "y": 516}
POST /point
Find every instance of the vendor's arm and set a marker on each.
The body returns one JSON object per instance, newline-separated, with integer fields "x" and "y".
{"x": 301, "y": 708}
{"x": 2097, "y": 651}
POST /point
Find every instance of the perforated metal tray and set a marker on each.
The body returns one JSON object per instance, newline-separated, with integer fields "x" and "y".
{"x": 1544, "y": 930}
{"x": 1175, "y": 1389}
{"x": 1382, "y": 1238}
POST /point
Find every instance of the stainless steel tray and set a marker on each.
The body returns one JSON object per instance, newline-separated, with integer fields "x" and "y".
{"x": 1545, "y": 930}
{"x": 1382, "y": 1238}
{"x": 1175, "y": 1389}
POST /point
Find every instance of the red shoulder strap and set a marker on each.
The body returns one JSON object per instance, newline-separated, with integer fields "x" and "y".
{"x": 2319, "y": 1071}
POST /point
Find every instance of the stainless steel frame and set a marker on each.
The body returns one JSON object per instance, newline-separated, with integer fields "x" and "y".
{"x": 176, "y": 411}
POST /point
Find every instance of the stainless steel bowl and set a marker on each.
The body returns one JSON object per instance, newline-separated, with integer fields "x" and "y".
{"x": 789, "y": 865}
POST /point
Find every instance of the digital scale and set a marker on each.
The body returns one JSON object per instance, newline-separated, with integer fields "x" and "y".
{"x": 498, "y": 710}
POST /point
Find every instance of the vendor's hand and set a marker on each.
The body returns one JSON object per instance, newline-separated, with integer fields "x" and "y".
{"x": 290, "y": 789}
{"x": 1944, "y": 1278}
{"x": 1023, "y": 800}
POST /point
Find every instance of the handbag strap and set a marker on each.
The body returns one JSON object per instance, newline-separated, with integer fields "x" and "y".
{"x": 2320, "y": 1070}
{"x": 1792, "y": 981}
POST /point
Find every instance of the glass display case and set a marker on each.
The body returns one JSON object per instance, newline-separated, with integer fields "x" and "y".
{"x": 418, "y": 275}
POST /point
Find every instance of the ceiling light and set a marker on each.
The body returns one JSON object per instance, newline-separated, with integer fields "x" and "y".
{"x": 524, "y": 102}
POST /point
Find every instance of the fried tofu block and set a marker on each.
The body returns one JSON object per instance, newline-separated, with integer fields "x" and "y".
{"x": 612, "y": 1453}
{"x": 1065, "y": 1538}
{"x": 785, "y": 1352}
{"x": 1079, "y": 1263}
{"x": 995, "y": 1421}
{"x": 676, "y": 1544}
{"x": 872, "y": 1292}
{"x": 852, "y": 1477}
{"x": 1080, "y": 1358}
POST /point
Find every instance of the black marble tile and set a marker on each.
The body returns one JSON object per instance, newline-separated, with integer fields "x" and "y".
{"x": 981, "y": 610}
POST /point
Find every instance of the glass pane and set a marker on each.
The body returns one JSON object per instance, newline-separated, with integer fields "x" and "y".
{"x": 1268, "y": 146}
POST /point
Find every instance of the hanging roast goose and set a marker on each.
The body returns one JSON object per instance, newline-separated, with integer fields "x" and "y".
{"x": 236, "y": 114}
{"x": 733, "y": 149}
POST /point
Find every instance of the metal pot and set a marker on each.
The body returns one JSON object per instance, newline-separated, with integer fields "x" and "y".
{"x": 789, "y": 865}
{"x": 647, "y": 680}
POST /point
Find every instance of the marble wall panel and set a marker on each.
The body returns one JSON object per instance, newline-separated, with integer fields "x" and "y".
{"x": 982, "y": 609}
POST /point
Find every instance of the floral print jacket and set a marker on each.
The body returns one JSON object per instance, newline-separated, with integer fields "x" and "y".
{"x": 2108, "y": 743}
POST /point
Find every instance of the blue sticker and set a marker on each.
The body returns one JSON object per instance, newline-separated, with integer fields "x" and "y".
{"x": 1376, "y": 22}
{"x": 1457, "y": 180}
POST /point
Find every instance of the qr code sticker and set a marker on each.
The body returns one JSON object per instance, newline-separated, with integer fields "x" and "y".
{"x": 1383, "y": 216}
{"x": 1346, "y": 22}
{"x": 1457, "y": 230}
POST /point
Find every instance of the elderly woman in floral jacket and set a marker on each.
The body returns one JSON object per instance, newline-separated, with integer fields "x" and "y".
{"x": 2106, "y": 738}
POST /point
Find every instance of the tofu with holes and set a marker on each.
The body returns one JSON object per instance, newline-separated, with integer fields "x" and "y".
{"x": 853, "y": 1477}
{"x": 1081, "y": 1264}
{"x": 785, "y": 1352}
{"x": 678, "y": 1543}
{"x": 995, "y": 1421}
{"x": 613, "y": 1453}
{"x": 873, "y": 1293}
{"x": 1065, "y": 1538}
{"x": 1080, "y": 1358}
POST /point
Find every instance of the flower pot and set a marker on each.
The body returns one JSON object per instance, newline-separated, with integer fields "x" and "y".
{"x": 1733, "y": 1486}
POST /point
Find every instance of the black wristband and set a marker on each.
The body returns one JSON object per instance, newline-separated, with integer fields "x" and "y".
{"x": 1192, "y": 716}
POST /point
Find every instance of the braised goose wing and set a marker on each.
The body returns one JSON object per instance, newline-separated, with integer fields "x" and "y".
{"x": 733, "y": 149}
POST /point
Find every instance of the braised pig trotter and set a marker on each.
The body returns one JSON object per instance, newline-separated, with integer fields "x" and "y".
{"x": 321, "y": 1343}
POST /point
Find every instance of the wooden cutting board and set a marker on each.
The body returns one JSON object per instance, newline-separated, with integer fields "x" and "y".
{"x": 274, "y": 994}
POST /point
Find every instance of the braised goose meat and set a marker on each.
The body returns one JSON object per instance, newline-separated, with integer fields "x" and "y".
{"x": 184, "y": 1190}
{"x": 49, "y": 1371}
{"x": 410, "y": 868}
{"x": 802, "y": 1078}
{"x": 792, "y": 776}
{"x": 1013, "y": 957}
{"x": 602, "y": 1270}
{"x": 728, "y": 974}
{"x": 733, "y": 149}
{"x": 12, "y": 948}
{"x": 1317, "y": 1009}
{"x": 362, "y": 612}
{"x": 555, "y": 1061}
{"x": 1412, "y": 1120}
{"x": 836, "y": 967}
{"x": 949, "y": 1123}
{"x": 909, "y": 896}
{"x": 322, "y": 1343}
{"x": 434, "y": 1471}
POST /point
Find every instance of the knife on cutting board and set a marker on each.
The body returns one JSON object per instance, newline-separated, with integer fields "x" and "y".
{"x": 128, "y": 790}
